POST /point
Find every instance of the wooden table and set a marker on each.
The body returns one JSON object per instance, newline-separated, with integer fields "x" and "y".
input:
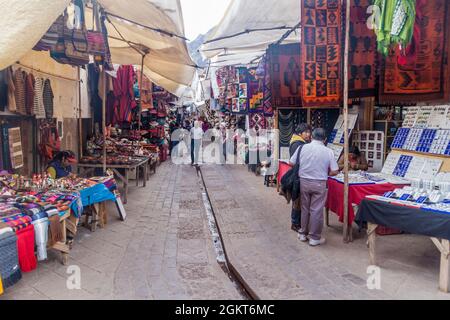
{"x": 411, "y": 220}
{"x": 62, "y": 246}
{"x": 127, "y": 167}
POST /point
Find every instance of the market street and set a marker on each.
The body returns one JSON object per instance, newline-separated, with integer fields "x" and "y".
{"x": 164, "y": 249}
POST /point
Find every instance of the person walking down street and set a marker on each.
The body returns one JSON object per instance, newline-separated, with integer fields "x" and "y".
{"x": 301, "y": 137}
{"x": 317, "y": 163}
{"x": 196, "y": 142}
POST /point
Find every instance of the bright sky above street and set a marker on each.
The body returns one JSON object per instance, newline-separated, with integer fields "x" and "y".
{"x": 201, "y": 15}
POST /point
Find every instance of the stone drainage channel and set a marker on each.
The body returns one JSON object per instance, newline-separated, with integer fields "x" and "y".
{"x": 221, "y": 253}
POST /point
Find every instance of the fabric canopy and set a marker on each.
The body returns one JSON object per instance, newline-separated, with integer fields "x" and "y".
{"x": 154, "y": 26}
{"x": 271, "y": 19}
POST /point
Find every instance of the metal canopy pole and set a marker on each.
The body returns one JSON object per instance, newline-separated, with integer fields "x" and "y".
{"x": 347, "y": 228}
{"x": 104, "y": 117}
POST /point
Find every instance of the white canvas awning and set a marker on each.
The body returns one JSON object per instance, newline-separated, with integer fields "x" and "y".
{"x": 248, "y": 28}
{"x": 156, "y": 25}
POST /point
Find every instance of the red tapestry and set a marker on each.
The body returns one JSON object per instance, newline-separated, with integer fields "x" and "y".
{"x": 362, "y": 52}
{"x": 285, "y": 75}
{"x": 321, "y": 52}
{"x": 418, "y": 76}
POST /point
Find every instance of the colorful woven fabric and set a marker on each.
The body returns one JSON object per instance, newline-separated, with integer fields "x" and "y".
{"x": 25, "y": 248}
{"x": 255, "y": 92}
{"x": 418, "y": 76}
{"x": 284, "y": 69}
{"x": 268, "y": 108}
{"x": 362, "y": 53}
{"x": 396, "y": 23}
{"x": 321, "y": 52}
{"x": 9, "y": 261}
{"x": 257, "y": 121}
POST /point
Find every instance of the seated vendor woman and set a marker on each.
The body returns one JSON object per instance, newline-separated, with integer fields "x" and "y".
{"x": 60, "y": 166}
{"x": 356, "y": 160}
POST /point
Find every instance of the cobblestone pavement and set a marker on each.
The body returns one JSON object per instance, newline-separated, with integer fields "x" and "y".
{"x": 162, "y": 251}
{"x": 255, "y": 225}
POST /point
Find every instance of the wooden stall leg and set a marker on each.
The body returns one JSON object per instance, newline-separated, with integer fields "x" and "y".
{"x": 371, "y": 228}
{"x": 64, "y": 255}
{"x": 444, "y": 272}
{"x": 145, "y": 174}
{"x": 127, "y": 180}
{"x": 137, "y": 176}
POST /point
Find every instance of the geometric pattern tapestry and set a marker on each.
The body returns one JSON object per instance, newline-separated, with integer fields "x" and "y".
{"x": 418, "y": 75}
{"x": 321, "y": 52}
{"x": 362, "y": 52}
{"x": 284, "y": 73}
{"x": 255, "y": 92}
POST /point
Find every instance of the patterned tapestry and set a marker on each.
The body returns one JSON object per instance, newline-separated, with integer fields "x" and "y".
{"x": 321, "y": 52}
{"x": 257, "y": 121}
{"x": 284, "y": 72}
{"x": 255, "y": 92}
{"x": 268, "y": 109}
{"x": 418, "y": 76}
{"x": 362, "y": 52}
{"x": 233, "y": 91}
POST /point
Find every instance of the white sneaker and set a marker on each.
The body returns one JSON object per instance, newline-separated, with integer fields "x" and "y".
{"x": 302, "y": 238}
{"x": 315, "y": 243}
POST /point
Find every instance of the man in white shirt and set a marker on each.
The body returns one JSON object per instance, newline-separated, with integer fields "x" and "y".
{"x": 317, "y": 162}
{"x": 196, "y": 142}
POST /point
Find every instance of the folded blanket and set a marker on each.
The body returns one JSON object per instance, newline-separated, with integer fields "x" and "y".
{"x": 25, "y": 248}
{"x": 9, "y": 261}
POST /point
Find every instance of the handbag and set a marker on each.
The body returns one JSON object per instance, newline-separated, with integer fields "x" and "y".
{"x": 49, "y": 40}
{"x": 290, "y": 182}
{"x": 95, "y": 39}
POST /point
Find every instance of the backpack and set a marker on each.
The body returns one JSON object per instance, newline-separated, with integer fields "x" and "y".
{"x": 290, "y": 182}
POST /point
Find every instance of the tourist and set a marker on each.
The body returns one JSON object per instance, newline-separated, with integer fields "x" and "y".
{"x": 196, "y": 142}
{"x": 356, "y": 160}
{"x": 301, "y": 137}
{"x": 317, "y": 162}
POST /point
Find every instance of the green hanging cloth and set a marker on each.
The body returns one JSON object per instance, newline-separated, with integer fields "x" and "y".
{"x": 396, "y": 24}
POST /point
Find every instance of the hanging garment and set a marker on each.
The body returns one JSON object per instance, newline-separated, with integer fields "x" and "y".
{"x": 6, "y": 155}
{"x": 29, "y": 93}
{"x": 110, "y": 103}
{"x": 48, "y": 99}
{"x": 396, "y": 23}
{"x": 9, "y": 260}
{"x": 19, "y": 84}
{"x": 41, "y": 237}
{"x": 11, "y": 91}
{"x": 124, "y": 92}
{"x": 3, "y": 89}
{"x": 320, "y": 54}
{"x": 38, "y": 103}
{"x": 50, "y": 141}
{"x": 95, "y": 100}
{"x": 25, "y": 248}
{"x": 419, "y": 76}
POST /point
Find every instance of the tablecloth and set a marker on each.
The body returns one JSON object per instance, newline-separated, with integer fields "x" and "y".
{"x": 411, "y": 220}
{"x": 356, "y": 193}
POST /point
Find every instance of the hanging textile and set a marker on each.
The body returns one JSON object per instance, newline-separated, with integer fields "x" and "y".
{"x": 286, "y": 126}
{"x": 110, "y": 103}
{"x": 9, "y": 260}
{"x": 145, "y": 92}
{"x": 123, "y": 90}
{"x": 396, "y": 23}
{"x": 285, "y": 75}
{"x": 11, "y": 91}
{"x": 255, "y": 92}
{"x": 362, "y": 52}
{"x": 321, "y": 53}
{"x": 38, "y": 103}
{"x": 6, "y": 155}
{"x": 267, "y": 89}
{"x": 19, "y": 85}
{"x": 48, "y": 99}
{"x": 29, "y": 93}
{"x": 3, "y": 89}
{"x": 418, "y": 77}
{"x": 25, "y": 247}
{"x": 257, "y": 121}
{"x": 96, "y": 101}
